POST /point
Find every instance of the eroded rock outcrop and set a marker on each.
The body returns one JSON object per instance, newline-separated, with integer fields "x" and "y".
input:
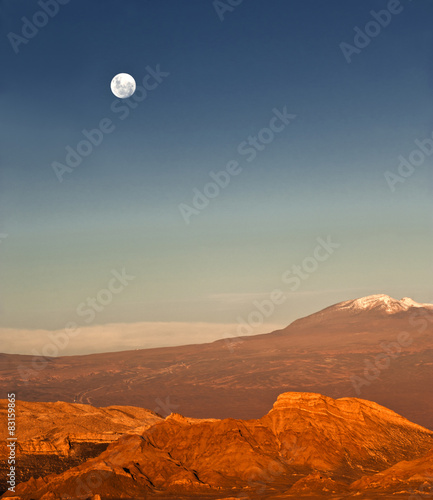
{"x": 53, "y": 437}
{"x": 307, "y": 444}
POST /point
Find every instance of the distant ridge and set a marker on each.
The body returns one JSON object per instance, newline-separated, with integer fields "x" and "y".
{"x": 382, "y": 302}
{"x": 241, "y": 377}
{"x": 378, "y": 306}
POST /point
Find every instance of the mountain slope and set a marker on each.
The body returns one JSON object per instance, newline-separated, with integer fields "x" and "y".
{"x": 335, "y": 352}
{"x": 415, "y": 476}
{"x": 56, "y": 436}
{"x": 304, "y": 437}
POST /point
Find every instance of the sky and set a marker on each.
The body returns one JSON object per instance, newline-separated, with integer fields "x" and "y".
{"x": 259, "y": 132}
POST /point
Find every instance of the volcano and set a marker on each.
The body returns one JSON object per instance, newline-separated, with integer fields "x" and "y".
{"x": 376, "y": 348}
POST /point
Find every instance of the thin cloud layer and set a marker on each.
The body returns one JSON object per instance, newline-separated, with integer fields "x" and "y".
{"x": 121, "y": 336}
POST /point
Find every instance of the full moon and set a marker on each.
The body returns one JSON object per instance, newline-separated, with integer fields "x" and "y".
{"x": 123, "y": 85}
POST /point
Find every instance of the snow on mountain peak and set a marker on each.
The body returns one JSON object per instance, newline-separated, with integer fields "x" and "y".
{"x": 380, "y": 302}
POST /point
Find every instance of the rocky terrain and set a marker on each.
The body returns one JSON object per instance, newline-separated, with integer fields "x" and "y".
{"x": 307, "y": 446}
{"x": 376, "y": 348}
{"x": 52, "y": 437}
{"x": 415, "y": 475}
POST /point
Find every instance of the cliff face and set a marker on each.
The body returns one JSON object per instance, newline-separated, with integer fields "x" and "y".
{"x": 52, "y": 437}
{"x": 307, "y": 444}
{"x": 54, "y": 428}
{"x": 345, "y": 431}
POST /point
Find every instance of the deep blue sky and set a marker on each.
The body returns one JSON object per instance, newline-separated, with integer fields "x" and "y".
{"x": 322, "y": 175}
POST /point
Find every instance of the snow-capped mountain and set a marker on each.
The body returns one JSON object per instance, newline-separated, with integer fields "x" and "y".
{"x": 376, "y": 312}
{"x": 381, "y": 302}
{"x": 239, "y": 377}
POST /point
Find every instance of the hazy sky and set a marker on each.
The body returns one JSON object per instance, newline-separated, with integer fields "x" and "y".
{"x": 215, "y": 84}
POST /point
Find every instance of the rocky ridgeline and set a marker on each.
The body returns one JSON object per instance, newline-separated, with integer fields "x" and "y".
{"x": 53, "y": 437}
{"x": 308, "y": 444}
{"x": 364, "y": 347}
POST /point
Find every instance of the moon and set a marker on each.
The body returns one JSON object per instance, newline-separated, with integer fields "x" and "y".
{"x": 123, "y": 85}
